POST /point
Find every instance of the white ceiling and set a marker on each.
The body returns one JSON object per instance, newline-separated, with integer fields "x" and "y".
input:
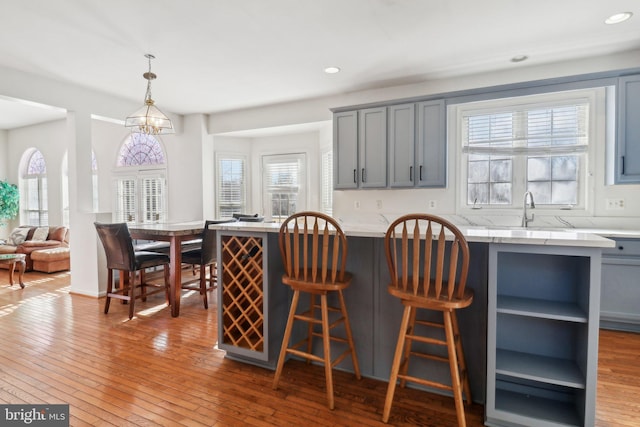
{"x": 219, "y": 55}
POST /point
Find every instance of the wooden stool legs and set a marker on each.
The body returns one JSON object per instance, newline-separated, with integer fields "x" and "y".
{"x": 457, "y": 366}
{"x": 395, "y": 366}
{"x": 285, "y": 339}
{"x": 309, "y": 317}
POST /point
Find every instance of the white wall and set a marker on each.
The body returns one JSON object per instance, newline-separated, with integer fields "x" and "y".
{"x": 311, "y": 143}
{"x": 396, "y": 202}
{"x": 51, "y": 139}
{"x": 307, "y": 143}
{"x": 4, "y": 171}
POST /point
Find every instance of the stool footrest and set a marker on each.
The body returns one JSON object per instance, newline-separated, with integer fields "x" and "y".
{"x": 340, "y": 358}
{"x": 331, "y": 337}
{"x": 305, "y": 355}
{"x": 426, "y": 340}
{"x": 424, "y": 382}
{"x": 430, "y": 356}
{"x": 430, "y": 324}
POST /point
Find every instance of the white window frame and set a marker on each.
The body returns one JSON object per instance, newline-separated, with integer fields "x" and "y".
{"x": 140, "y": 215}
{"x": 41, "y": 190}
{"x": 139, "y": 173}
{"x": 326, "y": 182}
{"x": 244, "y": 194}
{"x": 597, "y": 102}
{"x": 303, "y": 182}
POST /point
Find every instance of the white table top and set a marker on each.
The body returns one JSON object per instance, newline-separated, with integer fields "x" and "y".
{"x": 493, "y": 234}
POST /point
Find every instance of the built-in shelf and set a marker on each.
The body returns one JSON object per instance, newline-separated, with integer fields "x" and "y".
{"x": 550, "y": 370}
{"x": 542, "y": 334}
{"x": 547, "y": 309}
{"x": 544, "y": 411}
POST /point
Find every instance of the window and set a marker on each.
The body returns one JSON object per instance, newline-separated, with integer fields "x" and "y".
{"x": 326, "y": 182}
{"x": 535, "y": 143}
{"x": 140, "y": 149}
{"x": 231, "y": 185}
{"x": 283, "y": 184}
{"x": 34, "y": 190}
{"x": 140, "y": 187}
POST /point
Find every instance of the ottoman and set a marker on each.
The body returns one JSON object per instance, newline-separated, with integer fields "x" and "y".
{"x": 51, "y": 260}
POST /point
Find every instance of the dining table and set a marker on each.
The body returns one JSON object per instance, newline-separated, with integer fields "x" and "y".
{"x": 175, "y": 234}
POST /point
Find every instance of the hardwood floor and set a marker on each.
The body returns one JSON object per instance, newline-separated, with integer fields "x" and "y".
{"x": 156, "y": 370}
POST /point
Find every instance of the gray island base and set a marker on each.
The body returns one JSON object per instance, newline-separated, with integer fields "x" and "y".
{"x": 530, "y": 336}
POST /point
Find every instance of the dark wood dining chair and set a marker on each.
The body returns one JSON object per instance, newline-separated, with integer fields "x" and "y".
{"x": 428, "y": 260}
{"x": 205, "y": 257}
{"x": 118, "y": 248}
{"x": 314, "y": 253}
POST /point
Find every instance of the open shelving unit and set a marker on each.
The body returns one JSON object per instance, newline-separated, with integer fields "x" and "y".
{"x": 543, "y": 310}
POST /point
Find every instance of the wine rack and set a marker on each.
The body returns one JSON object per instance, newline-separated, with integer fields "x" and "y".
{"x": 242, "y": 293}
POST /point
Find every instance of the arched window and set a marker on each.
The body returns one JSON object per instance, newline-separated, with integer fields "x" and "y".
{"x": 140, "y": 149}
{"x": 34, "y": 189}
{"x": 140, "y": 186}
{"x": 65, "y": 186}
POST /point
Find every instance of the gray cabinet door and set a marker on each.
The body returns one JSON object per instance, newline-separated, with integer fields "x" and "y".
{"x": 372, "y": 147}
{"x": 628, "y": 141}
{"x": 431, "y": 145}
{"x": 401, "y": 145}
{"x": 345, "y": 148}
{"x": 620, "y": 295}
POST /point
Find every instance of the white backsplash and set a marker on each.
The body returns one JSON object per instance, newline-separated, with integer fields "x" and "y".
{"x": 374, "y": 207}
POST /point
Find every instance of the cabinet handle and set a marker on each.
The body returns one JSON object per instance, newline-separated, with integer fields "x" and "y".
{"x": 620, "y": 248}
{"x": 622, "y": 158}
{"x": 420, "y": 172}
{"x": 364, "y": 177}
{"x": 411, "y": 173}
{"x": 355, "y": 179}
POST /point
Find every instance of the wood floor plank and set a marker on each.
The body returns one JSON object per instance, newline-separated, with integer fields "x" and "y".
{"x": 57, "y": 347}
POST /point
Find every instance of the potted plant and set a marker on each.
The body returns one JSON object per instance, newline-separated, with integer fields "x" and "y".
{"x": 9, "y": 201}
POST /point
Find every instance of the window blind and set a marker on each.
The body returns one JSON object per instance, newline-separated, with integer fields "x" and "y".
{"x": 533, "y": 131}
{"x": 526, "y": 145}
{"x": 231, "y": 186}
{"x": 125, "y": 200}
{"x": 327, "y": 183}
{"x": 153, "y": 201}
{"x": 282, "y": 179}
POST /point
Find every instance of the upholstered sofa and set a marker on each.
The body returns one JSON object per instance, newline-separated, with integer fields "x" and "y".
{"x": 51, "y": 244}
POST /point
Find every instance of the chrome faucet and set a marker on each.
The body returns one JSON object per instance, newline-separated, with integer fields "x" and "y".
{"x": 525, "y": 219}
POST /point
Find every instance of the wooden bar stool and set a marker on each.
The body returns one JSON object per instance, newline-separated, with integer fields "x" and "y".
{"x": 423, "y": 269}
{"x": 314, "y": 253}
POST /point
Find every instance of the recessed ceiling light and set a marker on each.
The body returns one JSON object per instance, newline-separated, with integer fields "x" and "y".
{"x": 618, "y": 18}
{"x": 519, "y": 58}
{"x": 332, "y": 70}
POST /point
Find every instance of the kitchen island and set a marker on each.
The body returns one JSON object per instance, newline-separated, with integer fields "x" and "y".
{"x": 536, "y": 307}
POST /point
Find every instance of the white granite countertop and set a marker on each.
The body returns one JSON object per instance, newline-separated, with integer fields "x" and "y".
{"x": 474, "y": 233}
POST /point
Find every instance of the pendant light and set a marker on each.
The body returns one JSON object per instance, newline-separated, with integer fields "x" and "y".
{"x": 149, "y": 119}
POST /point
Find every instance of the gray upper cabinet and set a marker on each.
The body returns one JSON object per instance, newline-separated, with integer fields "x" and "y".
{"x": 402, "y": 145}
{"x": 417, "y": 153}
{"x": 431, "y": 145}
{"x": 405, "y": 140}
{"x": 372, "y": 147}
{"x": 628, "y": 138}
{"x": 345, "y": 148}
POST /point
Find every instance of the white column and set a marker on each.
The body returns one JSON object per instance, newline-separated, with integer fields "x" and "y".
{"x": 87, "y": 264}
